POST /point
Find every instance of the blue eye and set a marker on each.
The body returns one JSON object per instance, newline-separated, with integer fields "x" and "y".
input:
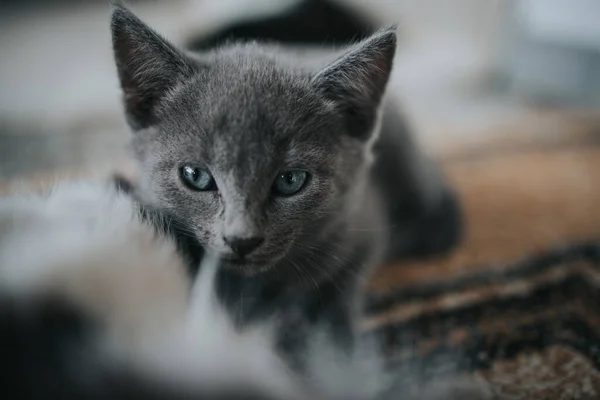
{"x": 290, "y": 182}
{"x": 197, "y": 178}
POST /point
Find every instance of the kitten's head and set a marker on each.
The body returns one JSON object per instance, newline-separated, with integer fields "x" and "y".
{"x": 252, "y": 151}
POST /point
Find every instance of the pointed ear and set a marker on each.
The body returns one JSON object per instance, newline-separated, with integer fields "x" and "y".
{"x": 356, "y": 81}
{"x": 148, "y": 65}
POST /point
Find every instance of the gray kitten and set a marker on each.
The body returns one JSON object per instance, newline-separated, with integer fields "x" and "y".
{"x": 278, "y": 160}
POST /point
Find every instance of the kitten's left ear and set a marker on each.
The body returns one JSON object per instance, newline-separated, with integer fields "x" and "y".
{"x": 356, "y": 82}
{"x": 148, "y": 65}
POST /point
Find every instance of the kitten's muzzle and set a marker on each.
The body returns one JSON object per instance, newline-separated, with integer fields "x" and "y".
{"x": 243, "y": 246}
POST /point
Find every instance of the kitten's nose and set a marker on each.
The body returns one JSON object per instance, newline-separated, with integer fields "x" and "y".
{"x": 243, "y": 246}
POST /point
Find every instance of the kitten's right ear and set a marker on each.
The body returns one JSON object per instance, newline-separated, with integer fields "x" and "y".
{"x": 147, "y": 64}
{"x": 357, "y": 81}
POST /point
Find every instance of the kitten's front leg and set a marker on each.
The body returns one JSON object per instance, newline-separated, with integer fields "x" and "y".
{"x": 314, "y": 326}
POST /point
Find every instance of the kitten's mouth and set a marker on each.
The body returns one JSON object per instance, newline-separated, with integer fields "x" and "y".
{"x": 250, "y": 265}
{"x": 246, "y": 266}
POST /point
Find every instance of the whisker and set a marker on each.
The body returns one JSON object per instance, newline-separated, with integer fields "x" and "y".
{"x": 315, "y": 286}
{"x": 342, "y": 262}
{"x": 324, "y": 272}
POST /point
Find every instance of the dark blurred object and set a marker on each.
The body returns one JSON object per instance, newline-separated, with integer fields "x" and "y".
{"x": 311, "y": 22}
{"x": 25, "y": 3}
{"x": 48, "y": 353}
{"x": 17, "y": 5}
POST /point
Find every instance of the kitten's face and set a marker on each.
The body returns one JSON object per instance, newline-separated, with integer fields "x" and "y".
{"x": 269, "y": 171}
{"x": 253, "y": 156}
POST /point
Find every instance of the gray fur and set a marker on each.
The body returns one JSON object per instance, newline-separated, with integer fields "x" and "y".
{"x": 247, "y": 111}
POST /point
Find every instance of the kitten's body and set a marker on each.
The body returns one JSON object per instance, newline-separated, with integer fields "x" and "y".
{"x": 245, "y": 112}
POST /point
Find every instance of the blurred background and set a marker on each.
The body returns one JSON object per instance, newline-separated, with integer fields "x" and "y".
{"x": 505, "y": 94}
{"x": 465, "y": 68}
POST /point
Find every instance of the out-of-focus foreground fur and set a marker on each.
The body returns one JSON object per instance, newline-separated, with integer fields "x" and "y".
{"x": 95, "y": 303}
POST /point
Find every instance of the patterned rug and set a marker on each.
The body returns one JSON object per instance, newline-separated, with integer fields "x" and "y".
{"x": 526, "y": 331}
{"x": 514, "y": 313}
